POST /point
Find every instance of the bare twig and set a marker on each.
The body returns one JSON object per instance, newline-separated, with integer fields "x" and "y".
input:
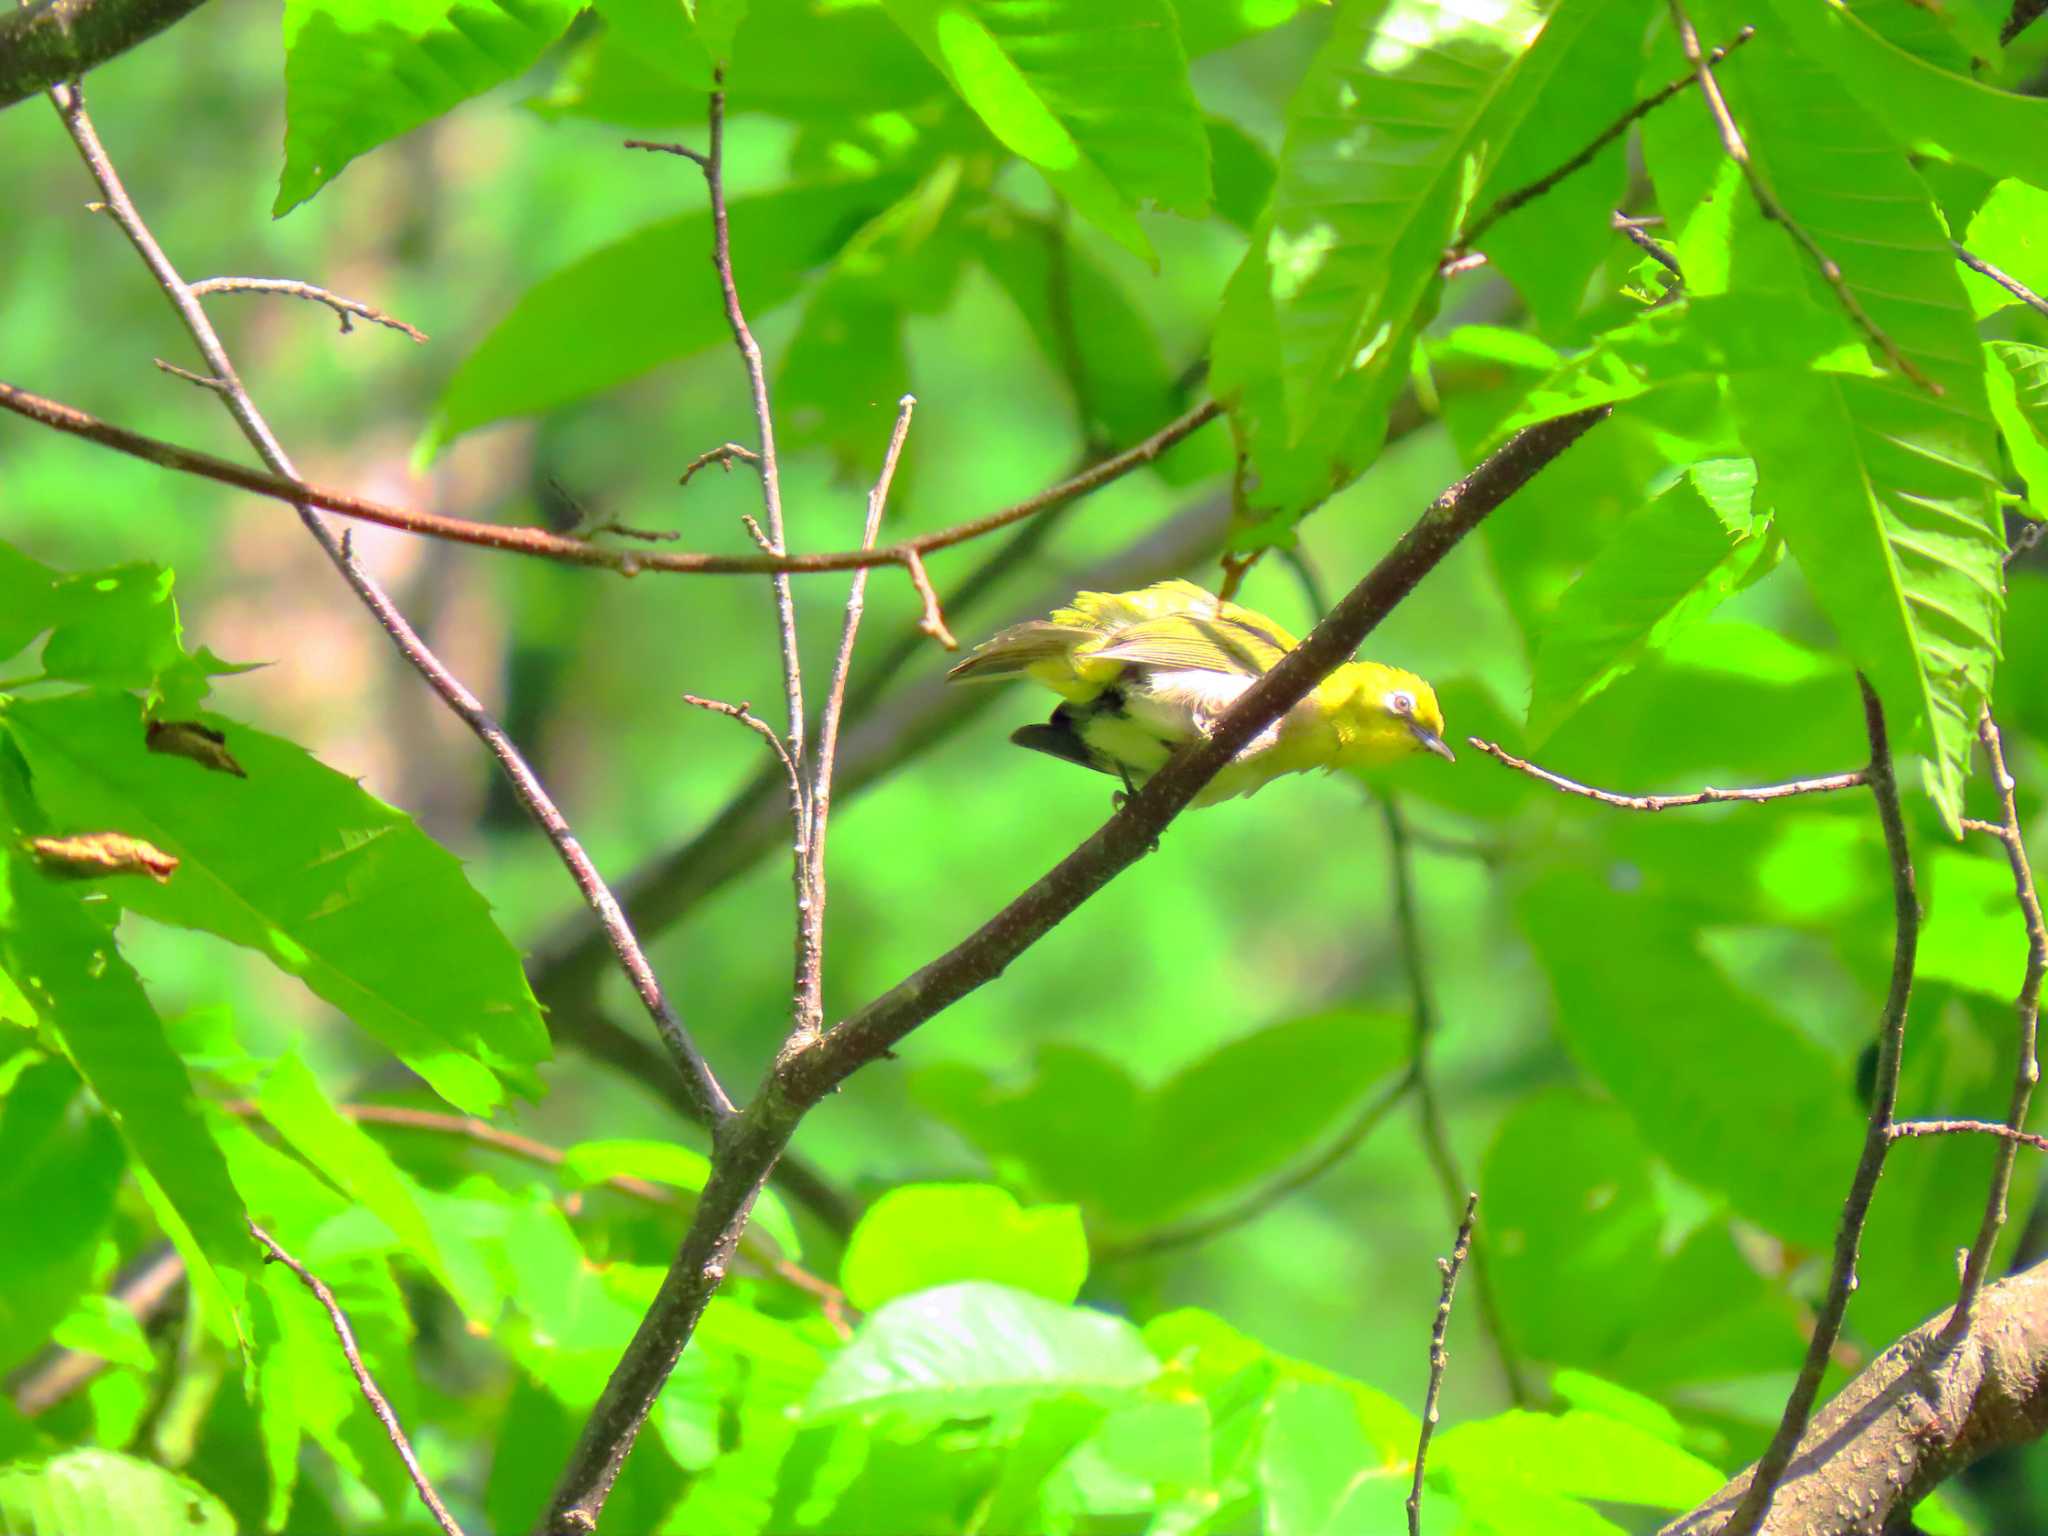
{"x": 934, "y": 621}
{"x": 379, "y": 1404}
{"x": 1436, "y": 1137}
{"x": 1766, "y": 200}
{"x": 744, "y": 713}
{"x": 146, "y": 1286}
{"x": 2024, "y": 14}
{"x": 723, "y": 456}
{"x": 1439, "y": 1358}
{"x": 547, "y": 545}
{"x": 804, "y": 1073}
{"x": 1824, "y": 784}
{"x": 704, "y": 1089}
{"x": 2005, "y": 280}
{"x": 218, "y": 386}
{"x": 349, "y": 310}
{"x": 1636, "y": 236}
{"x": 702, "y": 160}
{"x": 1521, "y": 197}
{"x": 811, "y": 1009}
{"x": 46, "y": 42}
{"x": 1891, "y": 1043}
{"x": 2027, "y": 1008}
{"x": 1903, "y": 1129}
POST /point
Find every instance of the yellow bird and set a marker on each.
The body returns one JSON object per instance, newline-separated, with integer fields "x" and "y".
{"x": 1141, "y": 673}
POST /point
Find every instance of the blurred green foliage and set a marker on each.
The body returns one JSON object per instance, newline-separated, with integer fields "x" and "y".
{"x": 1145, "y": 1228}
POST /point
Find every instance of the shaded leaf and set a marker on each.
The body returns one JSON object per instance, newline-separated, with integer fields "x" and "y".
{"x": 664, "y": 1162}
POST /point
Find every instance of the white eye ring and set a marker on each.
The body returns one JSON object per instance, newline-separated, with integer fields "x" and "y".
{"x": 1401, "y": 703}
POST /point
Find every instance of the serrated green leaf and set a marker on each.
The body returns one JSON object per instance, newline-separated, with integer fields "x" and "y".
{"x": 89, "y": 1492}
{"x": 1094, "y": 93}
{"x": 358, "y": 73}
{"x": 925, "y": 1235}
{"x": 1665, "y": 569}
{"x": 304, "y": 866}
{"x": 90, "y": 998}
{"x": 1885, "y": 494}
{"x": 2016, "y": 376}
{"x": 961, "y": 1351}
{"x": 1917, "y": 101}
{"x": 620, "y": 311}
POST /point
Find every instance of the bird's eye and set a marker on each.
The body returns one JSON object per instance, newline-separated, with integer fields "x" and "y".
{"x": 1401, "y": 703}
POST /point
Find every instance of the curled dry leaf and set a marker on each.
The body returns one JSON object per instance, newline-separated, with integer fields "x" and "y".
{"x": 201, "y": 743}
{"x": 90, "y": 855}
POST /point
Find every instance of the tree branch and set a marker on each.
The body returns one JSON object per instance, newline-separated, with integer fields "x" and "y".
{"x": 546, "y": 545}
{"x": 1439, "y": 1359}
{"x": 47, "y": 42}
{"x": 1825, "y": 784}
{"x": 702, "y": 1085}
{"x": 349, "y": 310}
{"x": 2005, "y": 280}
{"x": 1755, "y": 1502}
{"x": 804, "y": 1072}
{"x": 2027, "y": 1008}
{"x": 379, "y": 1404}
{"x": 1917, "y": 1415}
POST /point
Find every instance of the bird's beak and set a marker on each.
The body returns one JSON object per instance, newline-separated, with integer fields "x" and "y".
{"x": 1431, "y": 742}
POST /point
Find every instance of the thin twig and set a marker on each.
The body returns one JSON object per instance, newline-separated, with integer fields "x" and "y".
{"x": 1825, "y": 784}
{"x": 1630, "y": 231}
{"x": 744, "y": 713}
{"x": 934, "y": 621}
{"x": 723, "y": 456}
{"x": 800, "y": 1078}
{"x": 1439, "y": 1358}
{"x": 201, "y": 380}
{"x": 1522, "y": 196}
{"x": 1905, "y": 1129}
{"x": 379, "y": 1404}
{"x": 2024, "y": 14}
{"x": 703, "y": 1087}
{"x": 811, "y": 1011}
{"x": 702, "y": 160}
{"x": 2027, "y": 1008}
{"x": 2005, "y": 280}
{"x": 1891, "y": 1044}
{"x": 547, "y": 545}
{"x": 349, "y": 310}
{"x": 1436, "y": 1137}
{"x": 1738, "y": 151}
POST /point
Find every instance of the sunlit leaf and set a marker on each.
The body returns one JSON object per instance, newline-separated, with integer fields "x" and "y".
{"x": 922, "y": 1235}
{"x": 88, "y": 1492}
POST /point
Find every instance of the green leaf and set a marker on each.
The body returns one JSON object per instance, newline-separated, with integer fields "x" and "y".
{"x": 1084, "y": 322}
{"x": 358, "y": 73}
{"x": 90, "y": 998}
{"x": 1318, "y": 1471}
{"x": 91, "y": 1492}
{"x": 1243, "y": 171}
{"x": 1570, "y": 1206}
{"x": 2017, "y": 378}
{"x": 1622, "y": 962}
{"x": 2008, "y": 230}
{"x": 1549, "y": 248}
{"x": 1579, "y": 1455}
{"x": 1885, "y": 495}
{"x": 924, "y": 1235}
{"x": 58, "y": 1175}
{"x": 1997, "y": 130}
{"x": 622, "y": 309}
{"x": 101, "y": 1325}
{"x": 664, "y": 1162}
{"x": 29, "y": 598}
{"x": 298, "y": 1109}
{"x": 1207, "y": 25}
{"x": 1401, "y": 117}
{"x": 962, "y": 1351}
{"x": 1094, "y": 93}
{"x": 304, "y": 866}
{"x": 1973, "y": 936}
{"x": 1664, "y": 569}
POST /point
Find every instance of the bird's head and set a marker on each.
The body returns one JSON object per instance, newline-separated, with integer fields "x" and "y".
{"x": 1383, "y": 714}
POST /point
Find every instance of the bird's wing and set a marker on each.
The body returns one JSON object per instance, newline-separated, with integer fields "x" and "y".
{"x": 1242, "y": 646}
{"x": 1014, "y": 651}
